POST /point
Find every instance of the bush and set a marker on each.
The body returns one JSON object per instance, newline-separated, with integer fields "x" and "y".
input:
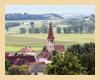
{"x": 7, "y": 64}
{"x": 18, "y": 70}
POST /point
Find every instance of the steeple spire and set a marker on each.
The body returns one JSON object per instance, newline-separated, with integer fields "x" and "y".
{"x": 50, "y": 32}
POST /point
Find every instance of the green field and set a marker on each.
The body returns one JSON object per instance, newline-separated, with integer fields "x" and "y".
{"x": 15, "y": 42}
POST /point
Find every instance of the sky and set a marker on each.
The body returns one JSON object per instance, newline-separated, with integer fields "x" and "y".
{"x": 45, "y": 9}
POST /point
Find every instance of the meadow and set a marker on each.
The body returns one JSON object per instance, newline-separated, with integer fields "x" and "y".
{"x": 14, "y": 42}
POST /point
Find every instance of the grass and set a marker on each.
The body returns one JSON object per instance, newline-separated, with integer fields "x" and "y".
{"x": 61, "y": 37}
{"x": 17, "y": 48}
{"x": 15, "y": 42}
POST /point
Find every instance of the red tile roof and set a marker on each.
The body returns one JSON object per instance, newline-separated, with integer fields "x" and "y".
{"x": 59, "y": 48}
{"x": 21, "y": 62}
{"x": 13, "y": 59}
{"x": 26, "y": 49}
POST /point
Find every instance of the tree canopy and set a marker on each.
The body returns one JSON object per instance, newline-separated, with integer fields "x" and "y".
{"x": 77, "y": 59}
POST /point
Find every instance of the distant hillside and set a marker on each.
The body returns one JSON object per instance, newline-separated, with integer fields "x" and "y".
{"x": 26, "y": 16}
{"x": 39, "y": 23}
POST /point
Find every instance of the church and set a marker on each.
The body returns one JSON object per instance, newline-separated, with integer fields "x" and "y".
{"x": 50, "y": 47}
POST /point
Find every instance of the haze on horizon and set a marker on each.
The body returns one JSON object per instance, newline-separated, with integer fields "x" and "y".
{"x": 45, "y": 9}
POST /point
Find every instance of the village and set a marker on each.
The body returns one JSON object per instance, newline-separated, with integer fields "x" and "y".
{"x": 49, "y": 40}
{"x": 27, "y": 56}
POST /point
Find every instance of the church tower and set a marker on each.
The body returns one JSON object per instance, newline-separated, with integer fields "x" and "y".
{"x": 50, "y": 39}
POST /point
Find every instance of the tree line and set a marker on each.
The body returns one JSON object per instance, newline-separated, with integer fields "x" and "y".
{"x": 32, "y": 29}
{"x": 85, "y": 25}
{"x": 11, "y": 24}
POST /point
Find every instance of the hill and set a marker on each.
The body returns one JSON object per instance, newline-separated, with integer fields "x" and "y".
{"x": 26, "y": 16}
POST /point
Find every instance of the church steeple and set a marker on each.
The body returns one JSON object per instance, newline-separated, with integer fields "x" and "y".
{"x": 50, "y": 39}
{"x": 50, "y": 32}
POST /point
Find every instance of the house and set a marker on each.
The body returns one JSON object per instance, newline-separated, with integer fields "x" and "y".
{"x": 23, "y": 56}
{"x": 27, "y": 51}
{"x": 50, "y": 47}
